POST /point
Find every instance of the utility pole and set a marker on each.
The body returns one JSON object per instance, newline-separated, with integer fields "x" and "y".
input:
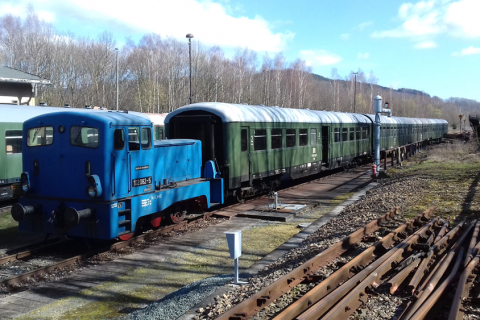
{"x": 189, "y": 37}
{"x": 116, "y": 77}
{"x": 355, "y": 92}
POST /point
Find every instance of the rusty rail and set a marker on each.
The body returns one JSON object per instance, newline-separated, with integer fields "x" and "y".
{"x": 261, "y": 299}
{"x": 347, "y": 271}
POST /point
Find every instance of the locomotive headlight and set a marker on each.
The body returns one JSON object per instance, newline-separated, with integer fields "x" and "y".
{"x": 92, "y": 191}
{"x": 95, "y": 187}
{"x": 25, "y": 187}
{"x": 24, "y": 182}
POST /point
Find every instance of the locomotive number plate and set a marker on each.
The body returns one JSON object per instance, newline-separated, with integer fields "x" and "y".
{"x": 141, "y": 181}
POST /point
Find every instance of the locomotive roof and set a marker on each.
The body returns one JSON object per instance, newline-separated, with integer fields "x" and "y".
{"x": 249, "y": 113}
{"x": 116, "y": 118}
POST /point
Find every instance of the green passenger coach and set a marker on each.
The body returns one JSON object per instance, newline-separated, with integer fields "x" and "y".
{"x": 254, "y": 147}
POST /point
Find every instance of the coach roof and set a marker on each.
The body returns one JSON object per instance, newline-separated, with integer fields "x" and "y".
{"x": 248, "y": 113}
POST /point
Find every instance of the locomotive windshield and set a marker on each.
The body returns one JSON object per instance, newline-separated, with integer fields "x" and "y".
{"x": 40, "y": 136}
{"x": 84, "y": 137}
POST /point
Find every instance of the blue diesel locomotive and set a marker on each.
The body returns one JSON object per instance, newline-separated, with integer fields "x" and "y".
{"x": 96, "y": 174}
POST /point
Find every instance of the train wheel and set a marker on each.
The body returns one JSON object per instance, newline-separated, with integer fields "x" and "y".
{"x": 126, "y": 237}
{"x": 177, "y": 214}
{"x": 155, "y": 222}
{"x": 239, "y": 196}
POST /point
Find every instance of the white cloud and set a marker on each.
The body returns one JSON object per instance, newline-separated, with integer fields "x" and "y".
{"x": 425, "y": 45}
{"x": 345, "y": 36}
{"x": 363, "y": 56}
{"x": 210, "y": 22}
{"x": 426, "y": 18}
{"x": 315, "y": 58}
{"x": 468, "y": 51}
{"x": 364, "y": 25}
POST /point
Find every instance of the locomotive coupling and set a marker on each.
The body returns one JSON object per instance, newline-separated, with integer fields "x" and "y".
{"x": 19, "y": 211}
{"x": 72, "y": 217}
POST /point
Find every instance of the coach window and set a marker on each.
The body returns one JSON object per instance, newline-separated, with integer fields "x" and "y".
{"x": 84, "y": 137}
{"x": 276, "y": 137}
{"x": 352, "y": 134}
{"x": 336, "y": 134}
{"x": 358, "y": 133}
{"x": 13, "y": 141}
{"x": 291, "y": 138}
{"x": 345, "y": 134}
{"x": 313, "y": 137}
{"x": 119, "y": 139}
{"x": 244, "y": 140}
{"x": 364, "y": 133}
{"x": 133, "y": 139}
{"x": 260, "y": 140}
{"x": 303, "y": 137}
{"x": 146, "y": 138}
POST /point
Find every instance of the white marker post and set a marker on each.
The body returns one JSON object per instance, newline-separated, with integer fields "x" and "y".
{"x": 234, "y": 240}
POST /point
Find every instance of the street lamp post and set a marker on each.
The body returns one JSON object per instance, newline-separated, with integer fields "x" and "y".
{"x": 116, "y": 77}
{"x": 189, "y": 37}
{"x": 355, "y": 92}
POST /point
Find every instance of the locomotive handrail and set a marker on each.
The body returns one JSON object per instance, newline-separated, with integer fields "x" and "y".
{"x": 129, "y": 165}
{"x": 113, "y": 172}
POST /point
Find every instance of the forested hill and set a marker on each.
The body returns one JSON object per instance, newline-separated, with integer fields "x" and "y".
{"x": 153, "y": 75}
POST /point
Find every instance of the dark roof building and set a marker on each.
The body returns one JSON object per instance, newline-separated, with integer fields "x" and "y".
{"x": 18, "y": 87}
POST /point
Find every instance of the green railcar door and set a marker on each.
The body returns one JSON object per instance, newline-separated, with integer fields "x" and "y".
{"x": 245, "y": 161}
{"x": 325, "y": 145}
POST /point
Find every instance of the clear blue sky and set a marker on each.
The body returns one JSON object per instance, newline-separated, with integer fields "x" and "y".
{"x": 432, "y": 46}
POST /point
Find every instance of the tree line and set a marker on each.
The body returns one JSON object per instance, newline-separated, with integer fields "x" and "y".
{"x": 153, "y": 75}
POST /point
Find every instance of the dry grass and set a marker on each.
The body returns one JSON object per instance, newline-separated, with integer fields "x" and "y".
{"x": 457, "y": 152}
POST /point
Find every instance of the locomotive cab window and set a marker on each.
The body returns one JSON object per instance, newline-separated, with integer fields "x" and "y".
{"x": 13, "y": 141}
{"x": 133, "y": 139}
{"x": 119, "y": 139}
{"x": 291, "y": 138}
{"x": 260, "y": 140}
{"x": 146, "y": 138}
{"x": 276, "y": 138}
{"x": 303, "y": 137}
{"x": 85, "y": 137}
{"x": 41, "y": 136}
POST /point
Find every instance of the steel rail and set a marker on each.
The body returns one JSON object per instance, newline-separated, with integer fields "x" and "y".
{"x": 348, "y": 270}
{"x": 422, "y": 312}
{"x": 79, "y": 258}
{"x": 27, "y": 253}
{"x": 421, "y": 303}
{"x": 350, "y": 299}
{"x": 261, "y": 299}
{"x": 466, "y": 279}
{"x": 398, "y": 279}
{"x": 436, "y": 251}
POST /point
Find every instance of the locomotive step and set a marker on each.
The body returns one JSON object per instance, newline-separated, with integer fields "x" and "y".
{"x": 124, "y": 232}
{"x": 123, "y": 223}
{"x": 124, "y": 212}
